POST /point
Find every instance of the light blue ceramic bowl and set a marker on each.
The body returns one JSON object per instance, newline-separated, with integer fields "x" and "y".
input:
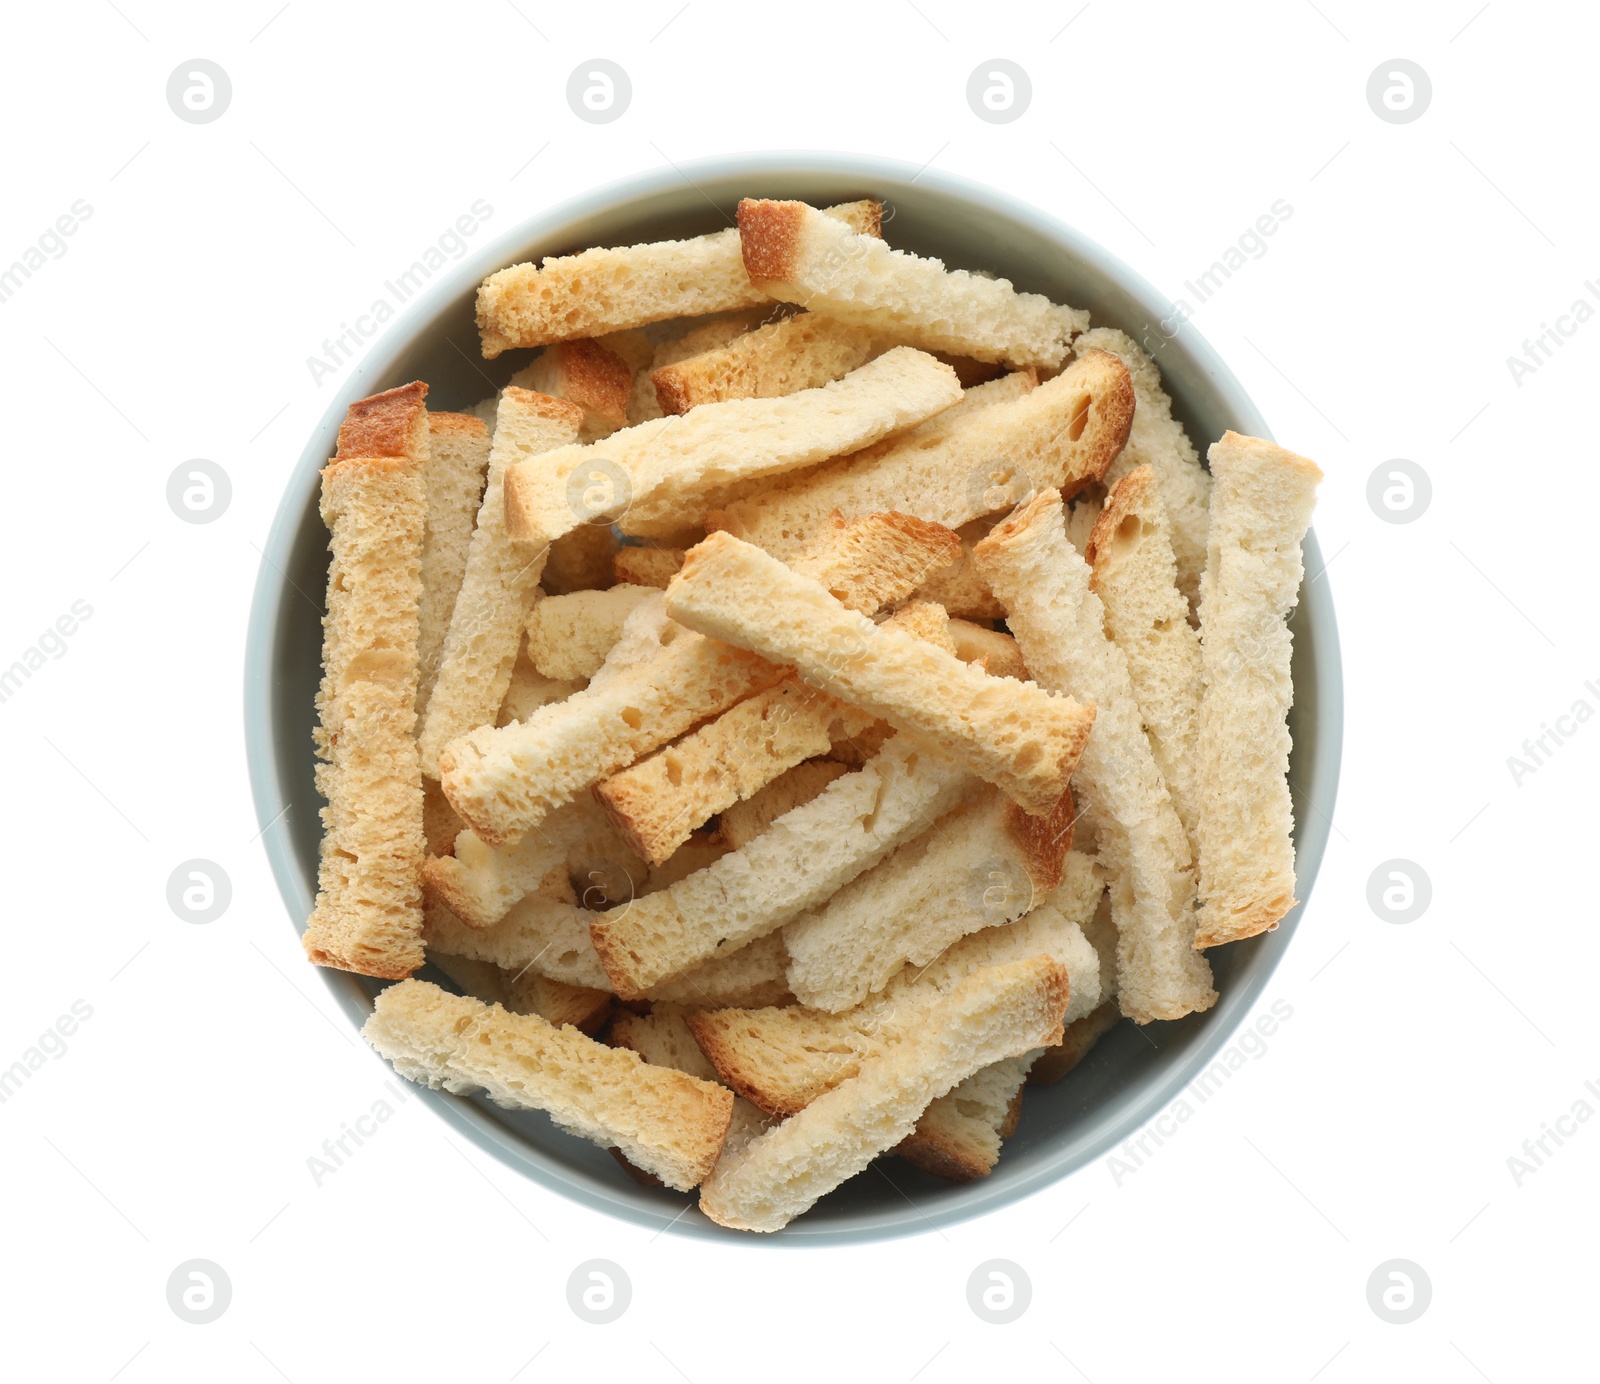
{"x": 1132, "y": 1074}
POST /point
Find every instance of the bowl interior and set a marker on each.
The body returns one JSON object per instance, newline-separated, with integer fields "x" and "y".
{"x": 1132, "y": 1073}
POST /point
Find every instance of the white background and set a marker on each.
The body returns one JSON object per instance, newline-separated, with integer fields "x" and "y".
{"x": 1379, "y": 1122}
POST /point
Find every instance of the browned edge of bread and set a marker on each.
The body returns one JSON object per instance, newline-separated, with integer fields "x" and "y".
{"x": 456, "y": 422}
{"x": 1120, "y": 504}
{"x": 381, "y": 426}
{"x": 1044, "y": 841}
{"x": 769, "y": 237}
{"x": 949, "y": 1159}
{"x": 725, "y": 1058}
{"x": 546, "y": 405}
{"x": 670, "y": 393}
{"x": 1113, "y": 422}
{"x": 1263, "y": 915}
{"x": 596, "y": 378}
{"x": 643, "y": 566}
{"x": 373, "y": 466}
{"x": 1020, "y": 520}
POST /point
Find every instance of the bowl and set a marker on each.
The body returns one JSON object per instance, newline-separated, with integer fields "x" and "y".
{"x": 1132, "y": 1074}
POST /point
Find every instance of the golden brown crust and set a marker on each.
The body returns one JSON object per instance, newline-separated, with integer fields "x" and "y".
{"x": 1016, "y": 524}
{"x": 1109, "y": 420}
{"x": 366, "y": 964}
{"x": 595, "y": 378}
{"x": 627, "y": 808}
{"x": 619, "y": 962}
{"x": 1127, "y": 499}
{"x": 769, "y": 232}
{"x": 1261, "y": 449}
{"x": 457, "y": 422}
{"x": 690, "y": 680}
{"x": 1018, "y": 736}
{"x": 951, "y": 1159}
{"x": 672, "y": 390}
{"x": 769, "y": 238}
{"x": 377, "y": 969}
{"x": 878, "y": 559}
{"x": 440, "y": 885}
{"x": 923, "y": 532}
{"x": 1044, "y": 841}
{"x": 636, "y": 566}
{"x": 659, "y": 803}
{"x": 1263, "y": 915}
{"x": 368, "y": 913}
{"x": 383, "y": 425}
{"x": 556, "y": 1002}
{"x": 710, "y": 1030}
{"x": 783, "y": 356}
{"x": 1055, "y": 999}
{"x": 546, "y": 406}
{"x": 356, "y": 468}
{"x": 666, "y": 1120}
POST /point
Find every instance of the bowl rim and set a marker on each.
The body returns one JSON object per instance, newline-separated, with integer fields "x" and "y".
{"x": 272, "y": 587}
